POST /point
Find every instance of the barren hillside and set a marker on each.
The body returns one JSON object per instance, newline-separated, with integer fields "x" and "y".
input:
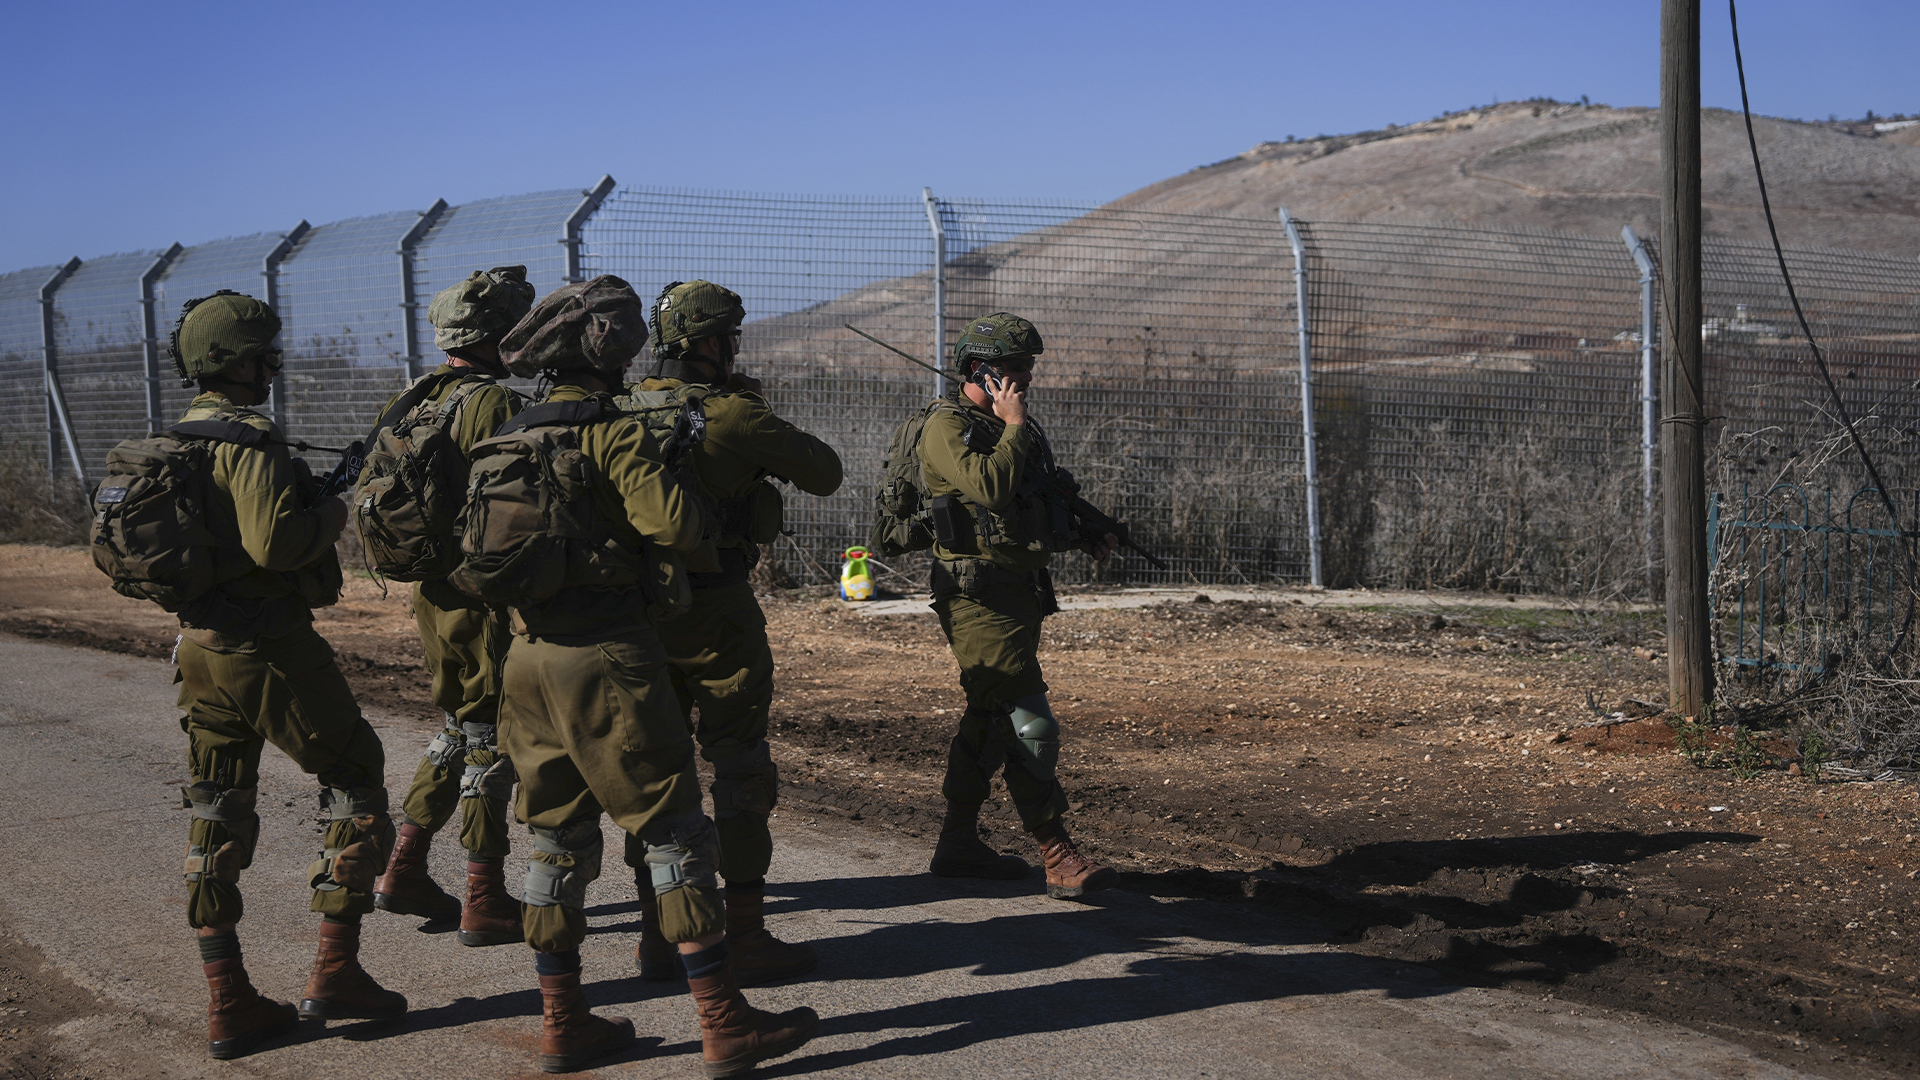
{"x": 1583, "y": 169}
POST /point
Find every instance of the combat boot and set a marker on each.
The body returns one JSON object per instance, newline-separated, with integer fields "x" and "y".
{"x": 1069, "y": 874}
{"x": 406, "y": 888}
{"x": 490, "y": 916}
{"x": 570, "y": 1035}
{"x": 961, "y": 853}
{"x": 655, "y": 956}
{"x": 238, "y": 1018}
{"x": 757, "y": 956}
{"x": 339, "y": 988}
{"x": 735, "y": 1036}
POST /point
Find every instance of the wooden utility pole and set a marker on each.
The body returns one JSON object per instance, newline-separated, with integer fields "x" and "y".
{"x": 1683, "y": 430}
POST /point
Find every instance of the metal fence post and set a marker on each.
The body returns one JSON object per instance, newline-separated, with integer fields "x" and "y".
{"x": 570, "y": 231}
{"x": 409, "y": 325}
{"x": 1649, "y": 424}
{"x": 270, "y": 279}
{"x": 59, "y": 424}
{"x": 939, "y": 291}
{"x": 1308, "y": 450}
{"x": 150, "y": 334}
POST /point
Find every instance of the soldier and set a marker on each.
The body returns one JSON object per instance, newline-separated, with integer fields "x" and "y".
{"x": 252, "y": 671}
{"x": 991, "y": 590}
{"x": 465, "y": 642}
{"x": 591, "y": 723}
{"x": 722, "y": 665}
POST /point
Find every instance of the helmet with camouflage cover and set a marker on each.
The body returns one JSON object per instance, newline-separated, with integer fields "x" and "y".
{"x": 596, "y": 325}
{"x": 216, "y": 333}
{"x": 687, "y": 311}
{"x": 997, "y": 337}
{"x": 486, "y": 305}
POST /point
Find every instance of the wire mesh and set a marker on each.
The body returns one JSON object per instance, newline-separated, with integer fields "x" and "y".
{"x": 1466, "y": 379}
{"x": 99, "y": 358}
{"x": 236, "y": 263}
{"x": 23, "y": 400}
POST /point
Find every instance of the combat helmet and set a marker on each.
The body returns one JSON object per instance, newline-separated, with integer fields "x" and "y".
{"x": 484, "y": 306}
{"x": 996, "y": 337}
{"x": 215, "y": 334}
{"x": 686, "y": 311}
{"x": 596, "y": 325}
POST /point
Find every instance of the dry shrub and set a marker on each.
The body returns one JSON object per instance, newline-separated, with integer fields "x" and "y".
{"x": 1520, "y": 514}
{"x": 36, "y": 508}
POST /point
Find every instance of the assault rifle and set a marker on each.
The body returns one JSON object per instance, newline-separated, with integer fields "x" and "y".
{"x": 1088, "y": 521}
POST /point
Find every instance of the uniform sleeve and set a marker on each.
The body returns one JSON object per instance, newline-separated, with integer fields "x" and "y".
{"x": 989, "y": 479}
{"x": 482, "y": 415}
{"x": 654, "y": 503}
{"x": 277, "y": 532}
{"x": 743, "y": 425}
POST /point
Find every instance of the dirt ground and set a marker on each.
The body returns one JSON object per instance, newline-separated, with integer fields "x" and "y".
{"x": 1480, "y": 789}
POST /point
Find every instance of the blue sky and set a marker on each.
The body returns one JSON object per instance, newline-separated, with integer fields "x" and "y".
{"x": 132, "y": 125}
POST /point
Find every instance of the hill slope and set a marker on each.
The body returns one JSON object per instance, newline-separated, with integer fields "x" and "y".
{"x": 1577, "y": 169}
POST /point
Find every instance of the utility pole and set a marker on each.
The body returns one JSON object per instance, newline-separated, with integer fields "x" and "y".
{"x": 1682, "y": 432}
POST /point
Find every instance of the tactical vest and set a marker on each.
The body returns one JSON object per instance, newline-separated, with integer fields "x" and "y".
{"x": 409, "y": 494}
{"x": 677, "y": 420}
{"x": 529, "y": 526}
{"x": 908, "y": 517}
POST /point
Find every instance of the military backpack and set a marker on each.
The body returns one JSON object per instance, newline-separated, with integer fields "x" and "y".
{"x": 149, "y": 532}
{"x": 903, "y": 507}
{"x": 409, "y": 494}
{"x": 529, "y": 526}
{"x": 677, "y": 420}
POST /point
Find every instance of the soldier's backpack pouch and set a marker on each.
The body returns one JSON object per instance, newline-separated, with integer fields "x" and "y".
{"x": 149, "y": 533}
{"x": 407, "y": 501}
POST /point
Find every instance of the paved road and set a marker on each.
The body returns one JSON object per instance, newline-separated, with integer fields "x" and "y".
{"x": 918, "y": 978}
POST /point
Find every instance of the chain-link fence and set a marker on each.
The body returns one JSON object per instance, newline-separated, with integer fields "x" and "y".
{"x": 1477, "y": 393}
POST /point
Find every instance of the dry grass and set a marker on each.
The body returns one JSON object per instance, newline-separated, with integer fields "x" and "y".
{"x": 35, "y": 508}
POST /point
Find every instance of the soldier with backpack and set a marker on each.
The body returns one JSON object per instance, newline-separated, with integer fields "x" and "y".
{"x": 964, "y": 478}
{"x": 576, "y": 522}
{"x": 405, "y": 506}
{"x": 216, "y": 522}
{"x": 721, "y": 661}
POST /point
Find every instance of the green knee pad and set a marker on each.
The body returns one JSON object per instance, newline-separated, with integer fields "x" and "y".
{"x": 691, "y": 913}
{"x": 220, "y": 842}
{"x": 354, "y": 850}
{"x": 436, "y": 783}
{"x": 1036, "y": 735}
{"x": 484, "y": 788}
{"x": 683, "y": 857}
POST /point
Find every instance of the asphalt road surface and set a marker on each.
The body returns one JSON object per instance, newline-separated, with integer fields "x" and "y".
{"x": 918, "y": 977}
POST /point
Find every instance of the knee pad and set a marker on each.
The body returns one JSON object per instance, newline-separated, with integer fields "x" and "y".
{"x": 235, "y": 826}
{"x": 746, "y": 783}
{"x": 355, "y": 854}
{"x": 447, "y": 744}
{"x": 1036, "y": 733}
{"x": 492, "y": 781}
{"x": 548, "y": 883}
{"x": 481, "y": 736}
{"x": 682, "y": 850}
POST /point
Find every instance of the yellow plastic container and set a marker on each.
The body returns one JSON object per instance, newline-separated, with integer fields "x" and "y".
{"x": 856, "y": 580}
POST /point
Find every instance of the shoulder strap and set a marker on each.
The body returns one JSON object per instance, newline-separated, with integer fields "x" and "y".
{"x": 232, "y": 431}
{"x": 412, "y": 396}
{"x": 557, "y": 413}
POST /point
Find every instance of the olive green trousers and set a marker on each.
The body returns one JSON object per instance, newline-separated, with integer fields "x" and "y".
{"x": 994, "y": 633}
{"x": 465, "y": 646}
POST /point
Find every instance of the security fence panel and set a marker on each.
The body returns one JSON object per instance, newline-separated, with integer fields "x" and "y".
{"x": 342, "y": 328}
{"x": 1169, "y": 384}
{"x": 233, "y": 263}
{"x": 23, "y": 397}
{"x": 803, "y": 267}
{"x": 1775, "y": 417}
{"x": 98, "y": 358}
{"x": 521, "y": 230}
{"x": 1468, "y": 381}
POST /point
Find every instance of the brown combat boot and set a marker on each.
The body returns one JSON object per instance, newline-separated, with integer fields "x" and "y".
{"x": 961, "y": 853}
{"x": 339, "y": 988}
{"x": 490, "y": 916}
{"x": 655, "y": 956}
{"x": 238, "y": 1018}
{"x": 406, "y": 888}
{"x": 1069, "y": 874}
{"x": 759, "y": 958}
{"x": 735, "y": 1036}
{"x": 570, "y": 1035}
